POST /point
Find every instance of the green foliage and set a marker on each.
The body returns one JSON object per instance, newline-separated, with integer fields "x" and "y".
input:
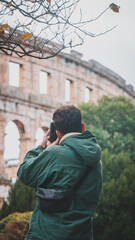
{"x": 89, "y": 114}
{"x": 114, "y": 164}
{"x": 117, "y": 115}
{"x": 15, "y": 226}
{"x": 21, "y": 198}
{"x": 113, "y": 123}
{"x": 115, "y": 215}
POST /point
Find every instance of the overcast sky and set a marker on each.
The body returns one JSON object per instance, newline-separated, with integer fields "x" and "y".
{"x": 116, "y": 49}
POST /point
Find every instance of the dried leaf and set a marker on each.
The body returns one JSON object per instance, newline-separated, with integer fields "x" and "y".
{"x": 114, "y": 7}
{"x": 1, "y": 31}
{"x": 8, "y": 4}
{"x": 26, "y": 36}
{"x": 4, "y": 26}
{"x": 49, "y": 1}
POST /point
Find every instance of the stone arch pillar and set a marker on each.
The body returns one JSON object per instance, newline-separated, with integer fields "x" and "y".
{"x": 4, "y": 183}
{"x": 25, "y": 145}
{"x": 3, "y": 175}
{"x": 27, "y": 141}
{"x": 21, "y": 129}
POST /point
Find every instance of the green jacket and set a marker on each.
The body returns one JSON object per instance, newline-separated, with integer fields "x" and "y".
{"x": 60, "y": 167}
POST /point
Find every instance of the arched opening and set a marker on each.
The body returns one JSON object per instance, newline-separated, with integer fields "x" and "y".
{"x": 11, "y": 144}
{"x": 13, "y": 180}
{"x": 20, "y": 126}
{"x": 40, "y": 133}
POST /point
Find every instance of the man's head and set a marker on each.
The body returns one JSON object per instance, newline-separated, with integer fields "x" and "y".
{"x": 68, "y": 119}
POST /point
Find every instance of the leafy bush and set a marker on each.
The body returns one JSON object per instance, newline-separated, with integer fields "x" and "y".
{"x": 15, "y": 226}
{"x": 21, "y": 198}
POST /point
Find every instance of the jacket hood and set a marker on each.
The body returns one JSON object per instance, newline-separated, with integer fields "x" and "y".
{"x": 85, "y": 145}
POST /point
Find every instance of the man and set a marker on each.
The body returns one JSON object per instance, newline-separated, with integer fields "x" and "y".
{"x": 59, "y": 165}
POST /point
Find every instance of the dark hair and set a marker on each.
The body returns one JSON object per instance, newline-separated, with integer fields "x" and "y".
{"x": 68, "y": 119}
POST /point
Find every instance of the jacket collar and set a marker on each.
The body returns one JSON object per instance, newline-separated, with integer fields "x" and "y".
{"x": 67, "y": 135}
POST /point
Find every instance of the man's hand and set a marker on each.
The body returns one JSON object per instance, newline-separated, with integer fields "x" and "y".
{"x": 56, "y": 142}
{"x": 46, "y": 143}
{"x": 45, "y": 139}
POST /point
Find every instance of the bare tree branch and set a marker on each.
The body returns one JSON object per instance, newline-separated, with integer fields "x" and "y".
{"x": 41, "y": 28}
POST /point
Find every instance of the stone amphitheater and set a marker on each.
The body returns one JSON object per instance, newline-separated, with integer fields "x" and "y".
{"x": 30, "y": 91}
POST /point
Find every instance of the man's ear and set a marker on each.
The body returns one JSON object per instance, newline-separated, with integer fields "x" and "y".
{"x": 58, "y": 134}
{"x": 83, "y": 127}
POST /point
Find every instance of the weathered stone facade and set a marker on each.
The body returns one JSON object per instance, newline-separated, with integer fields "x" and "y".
{"x": 29, "y": 109}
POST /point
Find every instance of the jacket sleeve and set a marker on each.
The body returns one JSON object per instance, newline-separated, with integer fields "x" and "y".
{"x": 35, "y": 167}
